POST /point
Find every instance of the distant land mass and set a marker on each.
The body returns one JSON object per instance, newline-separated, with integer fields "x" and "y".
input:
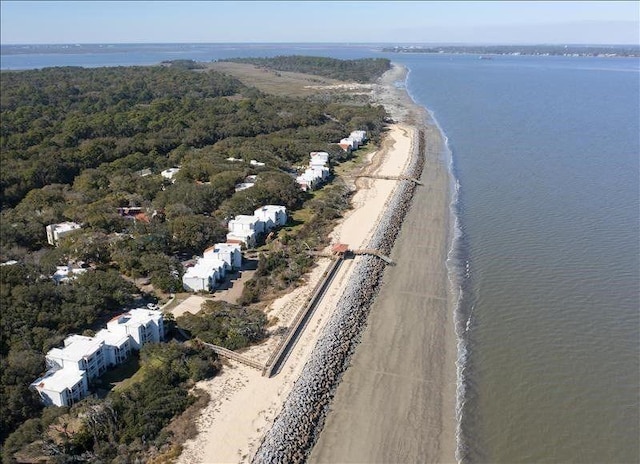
{"x": 540, "y": 50}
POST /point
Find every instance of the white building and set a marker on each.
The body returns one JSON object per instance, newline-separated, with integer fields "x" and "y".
{"x": 244, "y": 186}
{"x": 117, "y": 346}
{"x": 204, "y": 275}
{"x": 244, "y": 229}
{"x": 229, "y": 253}
{"x": 141, "y": 324}
{"x": 79, "y": 353}
{"x": 62, "y": 387}
{"x": 316, "y": 173}
{"x": 312, "y": 178}
{"x": 170, "y": 173}
{"x": 318, "y": 159}
{"x": 303, "y": 183}
{"x": 272, "y": 216}
{"x": 66, "y": 273}
{"x": 56, "y": 231}
{"x": 256, "y": 163}
{"x": 348, "y": 144}
{"x": 85, "y": 358}
{"x": 358, "y": 136}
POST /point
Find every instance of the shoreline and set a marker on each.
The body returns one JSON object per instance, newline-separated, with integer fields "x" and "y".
{"x": 397, "y": 400}
{"x": 246, "y": 407}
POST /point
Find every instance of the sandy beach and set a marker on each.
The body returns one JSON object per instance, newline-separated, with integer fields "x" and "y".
{"x": 396, "y": 402}
{"x": 243, "y": 403}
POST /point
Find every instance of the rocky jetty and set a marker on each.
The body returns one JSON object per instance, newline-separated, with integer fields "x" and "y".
{"x": 295, "y": 430}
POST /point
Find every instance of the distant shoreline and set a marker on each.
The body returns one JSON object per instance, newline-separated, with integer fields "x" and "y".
{"x": 613, "y": 51}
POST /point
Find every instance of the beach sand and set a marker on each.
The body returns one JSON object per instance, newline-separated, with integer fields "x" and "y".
{"x": 243, "y": 403}
{"x": 396, "y": 401}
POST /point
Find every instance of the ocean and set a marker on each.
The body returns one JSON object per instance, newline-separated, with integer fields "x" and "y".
{"x": 546, "y": 155}
{"x": 546, "y": 160}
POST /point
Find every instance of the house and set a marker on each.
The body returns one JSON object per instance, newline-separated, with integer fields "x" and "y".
{"x": 56, "y": 231}
{"x": 229, "y": 253}
{"x": 256, "y": 163}
{"x": 308, "y": 180}
{"x": 348, "y": 144}
{"x": 204, "y": 275}
{"x": 66, "y": 273}
{"x": 358, "y": 136}
{"x": 244, "y": 229}
{"x": 79, "y": 353}
{"x": 312, "y": 178}
{"x": 318, "y": 159}
{"x": 170, "y": 173}
{"x": 272, "y": 216}
{"x": 117, "y": 346}
{"x": 248, "y": 182}
{"x": 244, "y": 186}
{"x": 141, "y": 324}
{"x": 235, "y": 160}
{"x": 320, "y": 173}
{"x": 303, "y": 183}
{"x": 130, "y": 211}
{"x": 62, "y": 387}
{"x": 144, "y": 172}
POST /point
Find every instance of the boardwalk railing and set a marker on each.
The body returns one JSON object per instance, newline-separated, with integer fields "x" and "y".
{"x": 280, "y": 355}
{"x": 233, "y": 355}
{"x": 371, "y": 251}
{"x": 380, "y": 176}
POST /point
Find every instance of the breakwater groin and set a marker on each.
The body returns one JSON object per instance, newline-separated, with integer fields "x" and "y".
{"x": 295, "y": 430}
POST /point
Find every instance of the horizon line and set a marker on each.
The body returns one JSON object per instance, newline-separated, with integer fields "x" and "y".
{"x": 401, "y": 43}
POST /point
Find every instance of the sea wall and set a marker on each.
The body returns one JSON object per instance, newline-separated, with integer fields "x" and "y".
{"x": 295, "y": 430}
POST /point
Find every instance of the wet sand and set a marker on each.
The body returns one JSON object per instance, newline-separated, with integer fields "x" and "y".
{"x": 396, "y": 401}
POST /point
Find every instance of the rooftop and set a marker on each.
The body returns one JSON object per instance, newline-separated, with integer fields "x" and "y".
{"x": 204, "y": 268}
{"x": 76, "y": 348}
{"x": 245, "y": 219}
{"x": 110, "y": 338}
{"x": 62, "y": 226}
{"x": 59, "y": 380}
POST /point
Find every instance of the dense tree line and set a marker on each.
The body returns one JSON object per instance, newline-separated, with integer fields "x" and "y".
{"x": 360, "y": 70}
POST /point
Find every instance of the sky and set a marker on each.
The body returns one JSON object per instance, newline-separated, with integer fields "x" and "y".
{"x": 476, "y": 22}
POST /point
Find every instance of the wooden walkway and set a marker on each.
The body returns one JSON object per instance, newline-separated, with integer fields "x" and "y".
{"x": 377, "y": 176}
{"x": 281, "y": 354}
{"x": 370, "y": 251}
{"x": 233, "y": 355}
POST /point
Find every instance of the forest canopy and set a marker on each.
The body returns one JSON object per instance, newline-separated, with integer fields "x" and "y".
{"x": 362, "y": 70}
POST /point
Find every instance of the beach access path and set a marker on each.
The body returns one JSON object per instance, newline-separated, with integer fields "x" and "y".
{"x": 243, "y": 403}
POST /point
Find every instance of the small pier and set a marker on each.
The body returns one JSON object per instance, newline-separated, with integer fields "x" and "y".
{"x": 372, "y": 252}
{"x": 377, "y": 176}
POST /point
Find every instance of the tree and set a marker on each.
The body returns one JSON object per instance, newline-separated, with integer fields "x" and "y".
{"x": 192, "y": 234}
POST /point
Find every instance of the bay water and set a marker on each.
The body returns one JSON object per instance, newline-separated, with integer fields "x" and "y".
{"x": 545, "y": 162}
{"x": 546, "y": 155}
